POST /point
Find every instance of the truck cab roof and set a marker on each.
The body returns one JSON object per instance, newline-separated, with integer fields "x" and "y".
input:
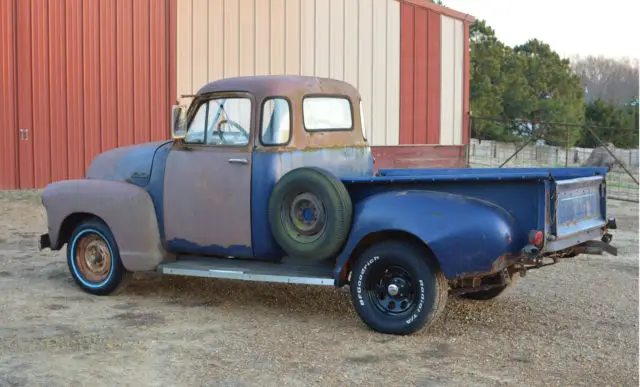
{"x": 301, "y": 94}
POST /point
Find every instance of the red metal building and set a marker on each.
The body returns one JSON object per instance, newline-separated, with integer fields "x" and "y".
{"x": 78, "y": 77}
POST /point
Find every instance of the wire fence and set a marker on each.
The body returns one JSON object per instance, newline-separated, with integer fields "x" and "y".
{"x": 548, "y": 144}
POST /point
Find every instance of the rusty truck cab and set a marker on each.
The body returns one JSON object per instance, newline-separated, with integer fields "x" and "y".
{"x": 270, "y": 125}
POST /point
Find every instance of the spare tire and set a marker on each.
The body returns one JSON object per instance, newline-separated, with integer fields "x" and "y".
{"x": 310, "y": 213}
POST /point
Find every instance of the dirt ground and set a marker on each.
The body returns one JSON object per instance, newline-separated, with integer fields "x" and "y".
{"x": 575, "y": 323}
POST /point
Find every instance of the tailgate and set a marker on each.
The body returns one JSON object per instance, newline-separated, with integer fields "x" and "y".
{"x": 579, "y": 208}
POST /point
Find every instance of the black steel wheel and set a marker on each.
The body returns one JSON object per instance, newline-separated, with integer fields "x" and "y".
{"x": 397, "y": 287}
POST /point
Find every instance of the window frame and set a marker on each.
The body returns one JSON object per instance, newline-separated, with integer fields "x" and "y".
{"x": 264, "y": 101}
{"x": 205, "y": 99}
{"x": 336, "y": 96}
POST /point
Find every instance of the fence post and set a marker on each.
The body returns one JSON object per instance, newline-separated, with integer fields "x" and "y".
{"x": 566, "y": 146}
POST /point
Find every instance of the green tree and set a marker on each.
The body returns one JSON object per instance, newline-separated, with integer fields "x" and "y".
{"x": 553, "y": 92}
{"x": 611, "y": 123}
{"x": 485, "y": 78}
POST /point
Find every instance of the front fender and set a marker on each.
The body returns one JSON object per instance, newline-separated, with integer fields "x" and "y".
{"x": 126, "y": 209}
{"x": 467, "y": 235}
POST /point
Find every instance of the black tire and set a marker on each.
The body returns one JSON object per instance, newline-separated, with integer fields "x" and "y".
{"x": 421, "y": 285}
{"x": 94, "y": 235}
{"x": 493, "y": 293}
{"x": 321, "y": 234}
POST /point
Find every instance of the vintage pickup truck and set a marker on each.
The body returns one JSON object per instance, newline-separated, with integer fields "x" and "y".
{"x": 271, "y": 178}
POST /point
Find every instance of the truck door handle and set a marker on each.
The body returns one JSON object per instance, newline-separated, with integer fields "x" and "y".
{"x": 238, "y": 161}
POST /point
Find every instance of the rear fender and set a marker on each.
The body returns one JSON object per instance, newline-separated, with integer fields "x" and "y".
{"x": 468, "y": 236}
{"x": 126, "y": 209}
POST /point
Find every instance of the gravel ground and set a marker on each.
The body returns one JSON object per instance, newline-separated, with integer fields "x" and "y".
{"x": 575, "y": 323}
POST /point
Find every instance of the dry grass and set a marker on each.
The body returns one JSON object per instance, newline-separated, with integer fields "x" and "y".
{"x": 574, "y": 323}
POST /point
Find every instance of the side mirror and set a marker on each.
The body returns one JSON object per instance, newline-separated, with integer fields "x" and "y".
{"x": 178, "y": 122}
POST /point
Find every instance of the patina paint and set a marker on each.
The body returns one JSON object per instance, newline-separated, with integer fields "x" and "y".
{"x": 466, "y": 235}
{"x": 268, "y": 167}
{"x": 207, "y": 201}
{"x": 136, "y": 233}
{"x": 130, "y": 163}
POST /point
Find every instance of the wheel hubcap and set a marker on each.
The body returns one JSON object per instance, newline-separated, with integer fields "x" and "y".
{"x": 306, "y": 216}
{"x": 392, "y": 290}
{"x": 93, "y": 258}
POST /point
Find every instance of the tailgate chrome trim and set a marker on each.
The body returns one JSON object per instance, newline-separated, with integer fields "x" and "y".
{"x": 578, "y": 180}
{"x": 574, "y": 239}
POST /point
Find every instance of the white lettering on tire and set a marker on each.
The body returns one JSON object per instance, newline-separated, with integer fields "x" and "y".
{"x": 420, "y": 304}
{"x": 359, "y": 288}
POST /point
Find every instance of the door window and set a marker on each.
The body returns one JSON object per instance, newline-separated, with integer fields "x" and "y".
{"x": 221, "y": 121}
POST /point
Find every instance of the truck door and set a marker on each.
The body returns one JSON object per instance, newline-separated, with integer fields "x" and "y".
{"x": 207, "y": 187}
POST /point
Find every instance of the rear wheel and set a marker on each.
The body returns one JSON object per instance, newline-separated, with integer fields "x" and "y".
{"x": 93, "y": 258}
{"x": 397, "y": 288}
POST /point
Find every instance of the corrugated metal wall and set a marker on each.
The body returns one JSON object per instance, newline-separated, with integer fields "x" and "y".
{"x": 87, "y": 76}
{"x": 352, "y": 40}
{"x": 8, "y": 103}
{"x": 434, "y": 73}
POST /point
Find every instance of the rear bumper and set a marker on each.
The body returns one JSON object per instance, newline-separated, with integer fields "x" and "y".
{"x": 45, "y": 242}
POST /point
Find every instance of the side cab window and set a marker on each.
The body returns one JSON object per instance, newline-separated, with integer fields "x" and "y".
{"x": 220, "y": 122}
{"x": 275, "y": 121}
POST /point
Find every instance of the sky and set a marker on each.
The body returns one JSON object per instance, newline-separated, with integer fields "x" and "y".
{"x": 570, "y": 27}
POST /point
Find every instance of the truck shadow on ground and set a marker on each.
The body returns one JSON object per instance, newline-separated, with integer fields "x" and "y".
{"x": 306, "y": 303}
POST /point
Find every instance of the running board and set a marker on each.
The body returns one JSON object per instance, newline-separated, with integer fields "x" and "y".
{"x": 240, "y": 269}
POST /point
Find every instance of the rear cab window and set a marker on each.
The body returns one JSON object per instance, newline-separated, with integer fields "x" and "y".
{"x": 327, "y": 113}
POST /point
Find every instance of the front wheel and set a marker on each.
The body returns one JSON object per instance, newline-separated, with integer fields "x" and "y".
{"x": 397, "y": 288}
{"x": 93, "y": 258}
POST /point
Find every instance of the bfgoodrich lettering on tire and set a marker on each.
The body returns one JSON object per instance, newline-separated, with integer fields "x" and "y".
{"x": 397, "y": 288}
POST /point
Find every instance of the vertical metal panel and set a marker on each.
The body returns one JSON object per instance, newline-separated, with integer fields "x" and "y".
{"x": 199, "y": 41}
{"x": 141, "y": 92}
{"x": 433, "y": 79}
{"x": 420, "y": 77}
{"x": 58, "y": 90}
{"x": 230, "y": 40}
{"x": 8, "y": 108}
{"x": 292, "y": 37}
{"x": 262, "y": 37}
{"x": 108, "y": 78}
{"x": 407, "y": 49}
{"x": 91, "y": 74}
{"x": 378, "y": 72}
{"x": 351, "y": 65}
{"x": 124, "y": 52}
{"x": 41, "y": 100}
{"x": 392, "y": 104}
{"x": 307, "y": 37}
{"x": 447, "y": 76}
{"x": 451, "y": 93}
{"x": 184, "y": 66}
{"x": 458, "y": 86}
{"x": 25, "y": 93}
{"x": 465, "y": 98}
{"x": 322, "y": 32}
{"x": 159, "y": 96}
{"x": 365, "y": 58}
{"x": 75, "y": 89}
{"x": 336, "y": 39}
{"x": 247, "y": 37}
{"x": 277, "y": 49}
{"x": 215, "y": 46}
